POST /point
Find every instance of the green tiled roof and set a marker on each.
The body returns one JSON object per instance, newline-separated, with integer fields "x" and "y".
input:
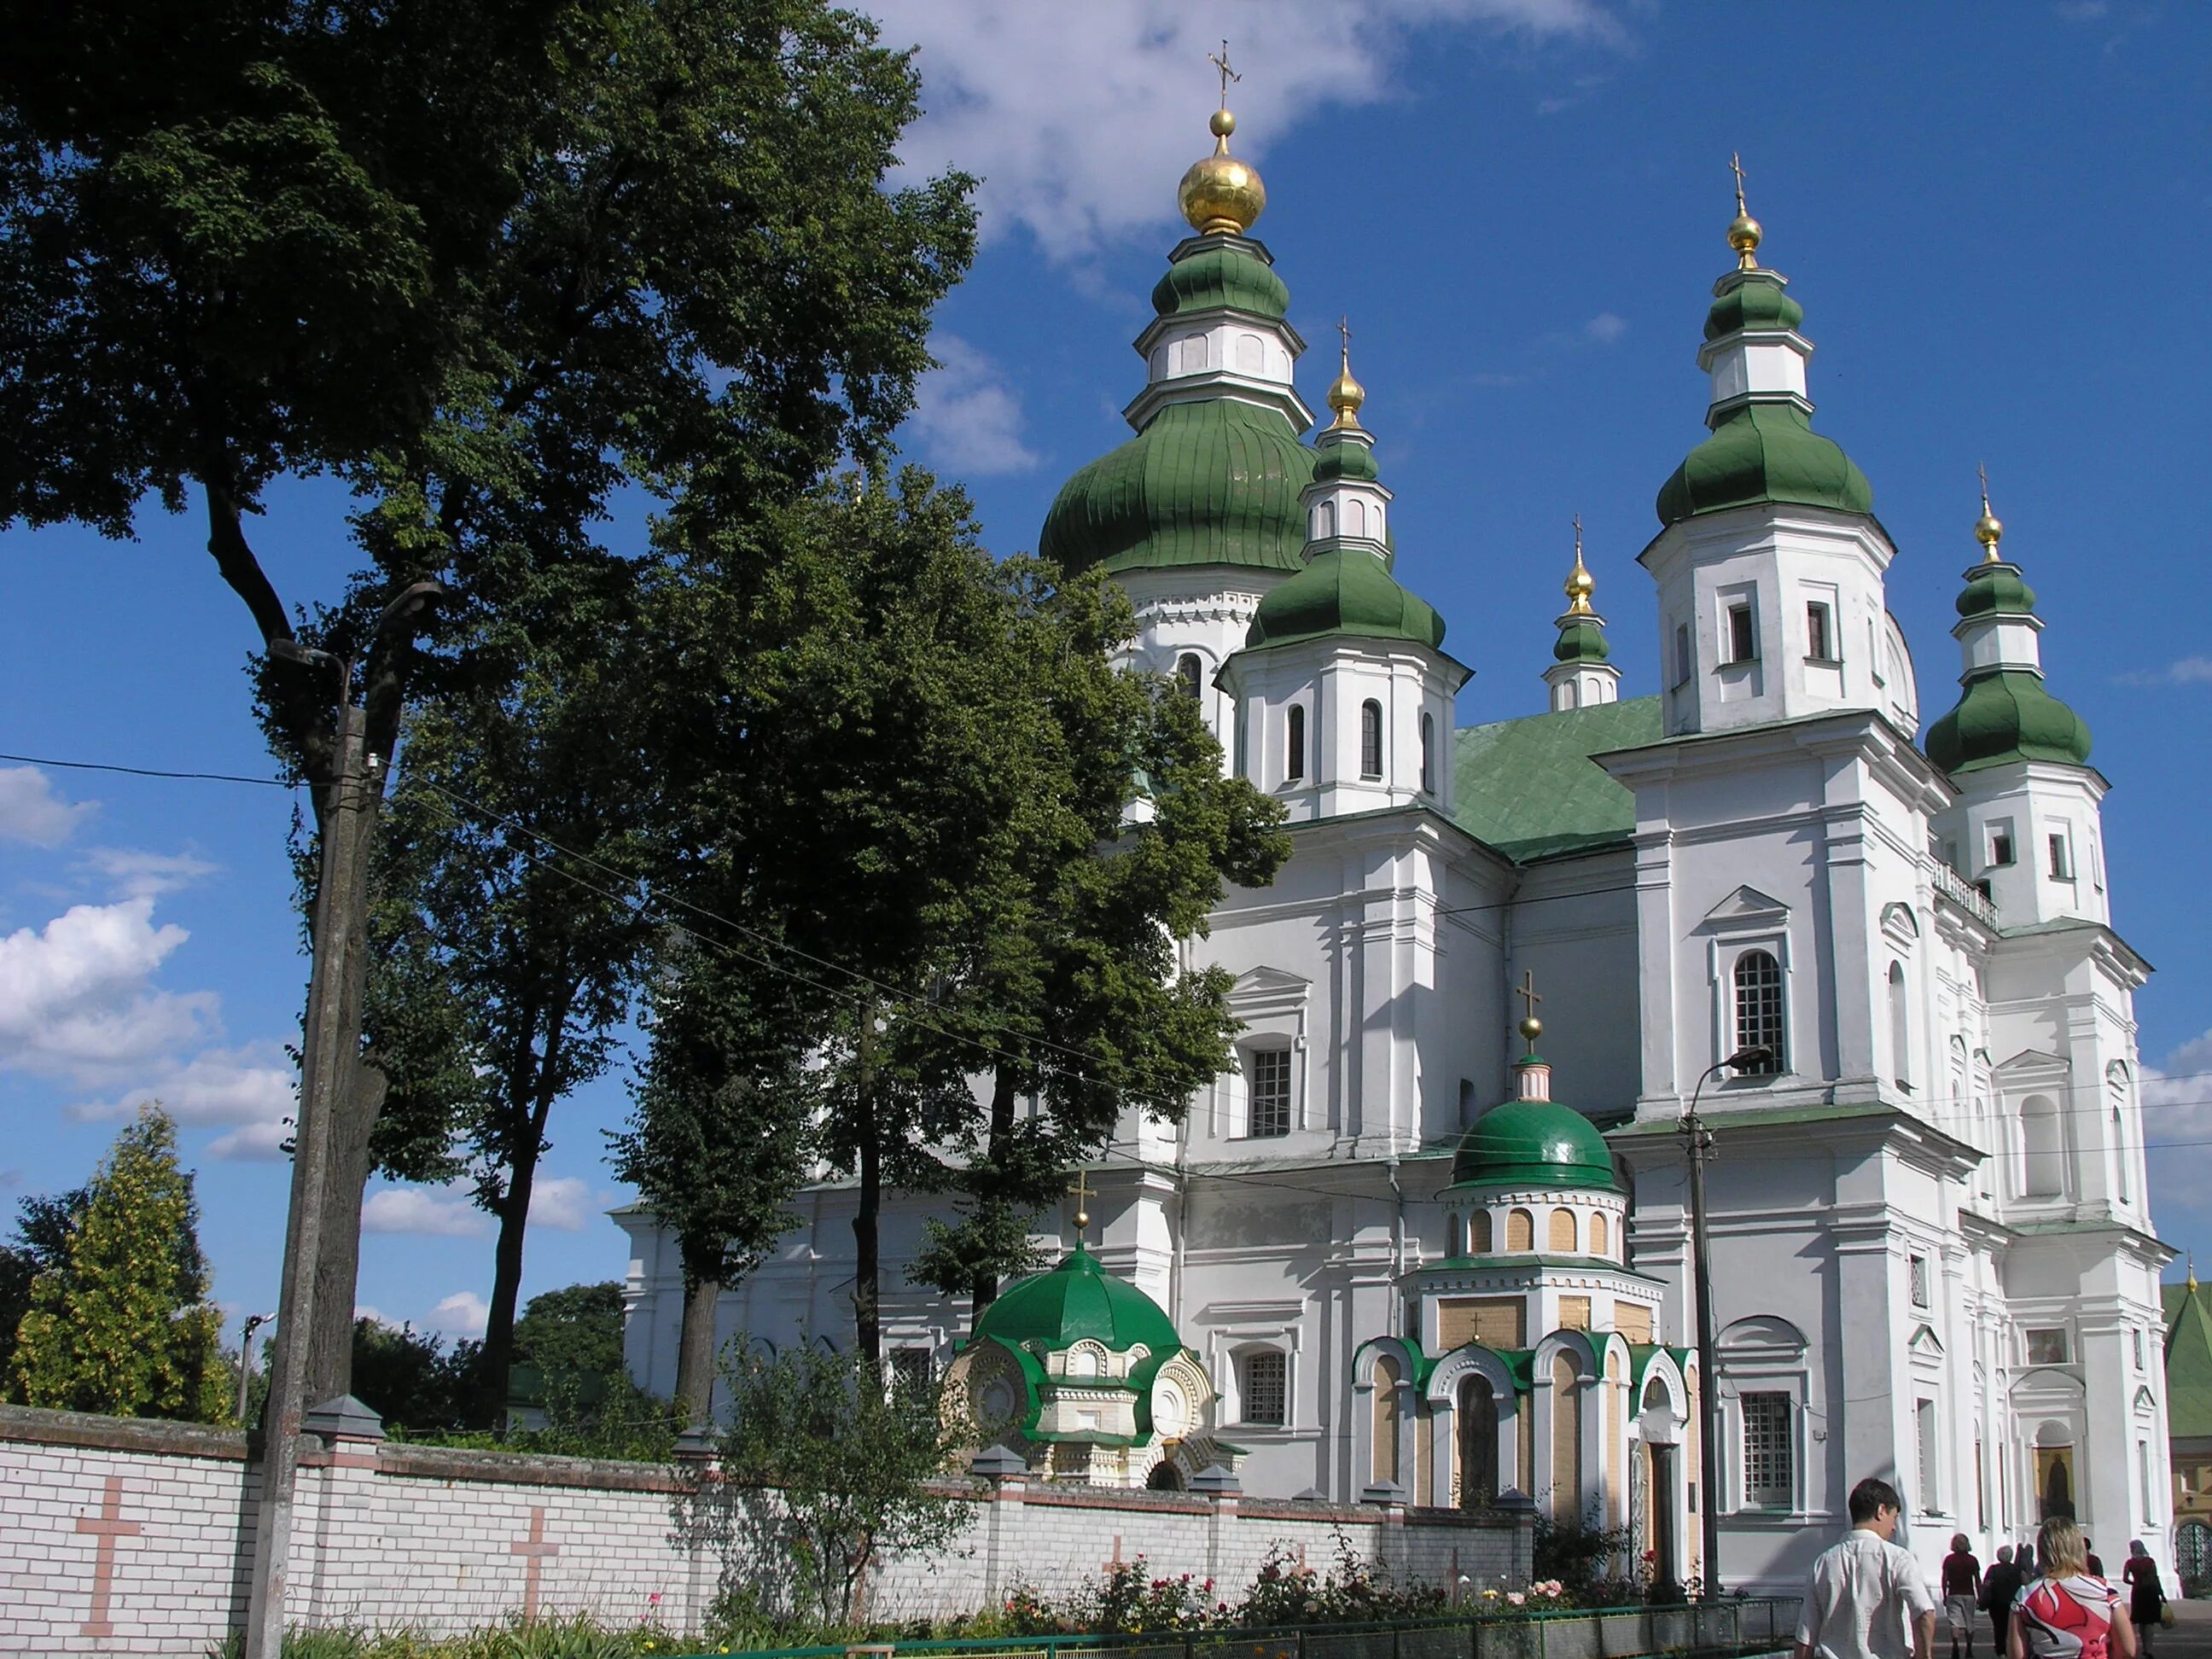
{"x": 1529, "y": 789}
{"x": 1075, "y": 1302}
{"x": 2007, "y": 714}
{"x": 2188, "y": 1361}
{"x": 1533, "y": 1143}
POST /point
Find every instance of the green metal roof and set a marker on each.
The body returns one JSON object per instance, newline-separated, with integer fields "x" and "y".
{"x": 1581, "y": 639}
{"x": 2007, "y": 714}
{"x": 1994, "y": 587}
{"x": 1755, "y": 300}
{"x": 1075, "y": 1302}
{"x": 1211, "y": 482}
{"x": 1212, "y": 278}
{"x": 1764, "y": 452}
{"x": 2188, "y": 1361}
{"x": 1534, "y": 1143}
{"x": 1344, "y": 592}
{"x": 1529, "y": 788}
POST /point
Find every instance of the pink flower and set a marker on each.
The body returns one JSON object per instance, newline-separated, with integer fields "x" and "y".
{"x": 1515, "y": 1597}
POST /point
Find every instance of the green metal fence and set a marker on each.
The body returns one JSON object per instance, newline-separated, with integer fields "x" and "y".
{"x": 1735, "y": 1626}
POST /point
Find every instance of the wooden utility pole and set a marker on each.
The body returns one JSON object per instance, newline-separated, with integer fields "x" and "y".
{"x": 867, "y": 1211}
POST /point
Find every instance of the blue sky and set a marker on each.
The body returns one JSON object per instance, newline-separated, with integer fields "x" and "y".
{"x": 1996, "y": 217}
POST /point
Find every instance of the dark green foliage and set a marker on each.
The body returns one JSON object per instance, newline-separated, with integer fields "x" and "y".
{"x": 410, "y": 1379}
{"x": 43, "y": 1225}
{"x": 576, "y": 1330}
{"x": 1582, "y": 1556}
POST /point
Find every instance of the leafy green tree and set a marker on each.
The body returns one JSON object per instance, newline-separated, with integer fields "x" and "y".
{"x": 411, "y": 1379}
{"x": 575, "y": 1330}
{"x": 43, "y": 1225}
{"x": 122, "y": 1324}
{"x": 835, "y": 1469}
{"x": 721, "y": 1133}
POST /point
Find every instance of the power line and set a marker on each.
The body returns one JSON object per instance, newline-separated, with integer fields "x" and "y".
{"x": 148, "y": 771}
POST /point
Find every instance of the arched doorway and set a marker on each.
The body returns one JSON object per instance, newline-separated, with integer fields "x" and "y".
{"x": 1164, "y": 1477}
{"x": 2192, "y": 1552}
{"x": 2056, "y": 1478}
{"x": 1478, "y": 1442}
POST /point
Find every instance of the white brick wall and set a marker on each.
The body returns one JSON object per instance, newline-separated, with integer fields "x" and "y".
{"x": 427, "y": 1538}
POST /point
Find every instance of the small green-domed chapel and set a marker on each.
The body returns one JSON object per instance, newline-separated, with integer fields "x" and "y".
{"x": 1862, "y": 947}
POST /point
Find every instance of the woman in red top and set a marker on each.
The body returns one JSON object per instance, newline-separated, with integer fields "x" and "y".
{"x": 2145, "y": 1595}
{"x": 1962, "y": 1593}
{"x": 2067, "y": 1613}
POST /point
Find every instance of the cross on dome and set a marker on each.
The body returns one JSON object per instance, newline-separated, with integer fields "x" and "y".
{"x": 1580, "y": 583}
{"x": 1988, "y": 529}
{"x": 1531, "y": 1027}
{"x": 1744, "y": 234}
{"x": 1221, "y": 195}
{"x": 1345, "y": 395}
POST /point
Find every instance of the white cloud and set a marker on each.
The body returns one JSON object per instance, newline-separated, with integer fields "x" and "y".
{"x": 30, "y": 812}
{"x": 2176, "y": 1098}
{"x": 462, "y": 1314}
{"x": 563, "y": 1203}
{"x": 135, "y": 873}
{"x": 75, "y": 999}
{"x": 967, "y": 418}
{"x": 254, "y": 1143}
{"x": 255, "y": 1085}
{"x": 1605, "y": 328}
{"x": 364, "y": 1311}
{"x": 2189, "y": 671}
{"x": 443, "y": 1212}
{"x": 1079, "y": 118}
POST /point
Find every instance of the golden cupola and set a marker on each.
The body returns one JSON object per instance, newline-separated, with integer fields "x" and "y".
{"x": 1221, "y": 194}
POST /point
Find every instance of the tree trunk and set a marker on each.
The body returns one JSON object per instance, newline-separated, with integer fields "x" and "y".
{"x": 867, "y": 1266}
{"x": 985, "y": 1289}
{"x": 497, "y": 1359}
{"x": 695, "y": 1350}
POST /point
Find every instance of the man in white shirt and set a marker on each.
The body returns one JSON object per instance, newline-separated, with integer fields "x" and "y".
{"x": 1863, "y": 1589}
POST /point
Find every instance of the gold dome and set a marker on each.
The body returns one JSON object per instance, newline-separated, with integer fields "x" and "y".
{"x": 1345, "y": 394}
{"x": 1221, "y": 193}
{"x": 1580, "y": 584}
{"x": 1988, "y": 529}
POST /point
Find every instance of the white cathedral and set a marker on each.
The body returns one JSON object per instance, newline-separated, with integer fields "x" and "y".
{"x": 1395, "y": 1254}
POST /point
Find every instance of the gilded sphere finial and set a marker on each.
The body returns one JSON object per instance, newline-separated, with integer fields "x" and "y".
{"x": 1988, "y": 529}
{"x": 1221, "y": 194}
{"x": 1532, "y": 1027}
{"x": 1744, "y": 234}
{"x": 1221, "y": 122}
{"x": 1345, "y": 395}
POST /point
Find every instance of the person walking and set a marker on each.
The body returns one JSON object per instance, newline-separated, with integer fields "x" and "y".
{"x": 2090, "y": 1564}
{"x": 2067, "y": 1613}
{"x": 1999, "y": 1585}
{"x": 1961, "y": 1581}
{"x": 2146, "y": 1596}
{"x": 1864, "y": 1590}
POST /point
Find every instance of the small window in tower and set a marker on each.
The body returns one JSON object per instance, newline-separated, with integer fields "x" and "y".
{"x": 1743, "y": 639}
{"x": 1759, "y": 1012}
{"x": 1820, "y": 635}
{"x": 1324, "y": 520}
{"x": 1684, "y": 664}
{"x": 1916, "y": 1270}
{"x": 1428, "y": 747}
{"x": 1189, "y": 674}
{"x": 2136, "y": 1335}
{"x": 2001, "y": 852}
{"x": 1294, "y": 745}
{"x": 2062, "y": 859}
{"x": 1370, "y": 739}
{"x": 1270, "y": 1070}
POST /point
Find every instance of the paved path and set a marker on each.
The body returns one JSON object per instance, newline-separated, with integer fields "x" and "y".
{"x": 2190, "y": 1637}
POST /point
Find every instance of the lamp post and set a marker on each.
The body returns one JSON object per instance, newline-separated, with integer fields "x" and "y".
{"x": 253, "y": 1323}
{"x": 1697, "y": 1140}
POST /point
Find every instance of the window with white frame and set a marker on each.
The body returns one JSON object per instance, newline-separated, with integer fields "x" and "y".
{"x": 2062, "y": 855}
{"x": 2047, "y": 1346}
{"x": 1267, "y": 1072}
{"x": 1820, "y": 632}
{"x": 1742, "y": 632}
{"x": 1370, "y": 739}
{"x": 1915, "y": 1269}
{"x": 1294, "y": 744}
{"x": 1767, "y": 1463}
{"x": 1263, "y": 1388}
{"x": 1924, "y": 1416}
{"x": 2000, "y": 838}
{"x": 1757, "y": 984}
{"x": 1428, "y": 755}
{"x": 1190, "y": 674}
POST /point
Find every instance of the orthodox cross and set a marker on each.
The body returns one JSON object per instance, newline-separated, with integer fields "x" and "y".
{"x": 1735, "y": 165}
{"x": 1578, "y": 559}
{"x": 1983, "y": 472}
{"x": 1526, "y": 991}
{"x": 1220, "y": 61}
{"x": 1081, "y": 1191}
{"x": 1344, "y": 328}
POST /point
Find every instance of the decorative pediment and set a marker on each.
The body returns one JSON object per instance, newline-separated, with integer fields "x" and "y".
{"x": 1925, "y": 1343}
{"x": 1260, "y": 992}
{"x": 1899, "y": 925}
{"x": 1747, "y": 907}
{"x": 1762, "y": 1334}
{"x": 2030, "y": 1064}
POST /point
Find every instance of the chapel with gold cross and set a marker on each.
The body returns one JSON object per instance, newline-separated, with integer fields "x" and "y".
{"x": 1391, "y": 1254}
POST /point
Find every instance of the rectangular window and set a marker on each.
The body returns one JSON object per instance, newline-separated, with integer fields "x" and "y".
{"x": 2136, "y": 1337}
{"x": 2001, "y": 852}
{"x": 1820, "y": 634}
{"x": 1266, "y": 1386}
{"x": 1917, "y": 1272}
{"x": 1270, "y": 1070}
{"x": 1767, "y": 1473}
{"x": 1743, "y": 641}
{"x": 2142, "y": 1477}
{"x": 1923, "y": 1414}
{"x": 1684, "y": 664}
{"x": 910, "y": 1368}
{"x": 2062, "y": 859}
{"x": 2047, "y": 1347}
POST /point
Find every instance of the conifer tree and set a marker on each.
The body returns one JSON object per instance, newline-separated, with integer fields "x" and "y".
{"x": 123, "y": 1324}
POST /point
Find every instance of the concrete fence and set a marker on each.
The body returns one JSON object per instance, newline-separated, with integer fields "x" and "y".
{"x": 118, "y": 1535}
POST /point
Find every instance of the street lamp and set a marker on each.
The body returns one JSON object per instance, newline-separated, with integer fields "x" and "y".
{"x": 253, "y": 1323}
{"x": 1697, "y": 1141}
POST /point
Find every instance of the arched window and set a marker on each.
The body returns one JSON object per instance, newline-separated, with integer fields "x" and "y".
{"x": 1251, "y": 356}
{"x": 1190, "y": 674}
{"x": 1477, "y": 1233}
{"x": 1478, "y": 1442}
{"x": 1759, "y": 1008}
{"x": 1563, "y": 1232}
{"x": 1370, "y": 738}
{"x": 1601, "y": 1238}
{"x": 1428, "y": 755}
{"x": 2043, "y": 1163}
{"x": 1386, "y": 1419}
{"x": 1900, "y": 1029}
{"x": 1294, "y": 746}
{"x": 1355, "y": 516}
{"x": 2116, "y": 1088}
{"x": 1190, "y": 352}
{"x": 1566, "y": 1435}
{"x": 1324, "y": 520}
{"x": 1520, "y": 1230}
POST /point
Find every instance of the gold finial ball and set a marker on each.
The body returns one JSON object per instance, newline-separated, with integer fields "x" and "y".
{"x": 1222, "y": 194}
{"x": 1988, "y": 530}
{"x": 1221, "y": 122}
{"x": 1532, "y": 1027}
{"x": 1745, "y": 235}
{"x": 1082, "y": 1219}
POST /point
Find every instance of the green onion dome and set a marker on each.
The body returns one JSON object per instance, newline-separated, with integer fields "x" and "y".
{"x": 1344, "y": 592}
{"x": 1221, "y": 277}
{"x": 1534, "y": 1143}
{"x": 1582, "y": 640}
{"x": 1995, "y": 589}
{"x": 1078, "y": 1301}
{"x": 2007, "y": 714}
{"x": 1332, "y": 461}
{"x": 1754, "y": 301}
{"x": 1210, "y": 482}
{"x": 1764, "y": 452}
